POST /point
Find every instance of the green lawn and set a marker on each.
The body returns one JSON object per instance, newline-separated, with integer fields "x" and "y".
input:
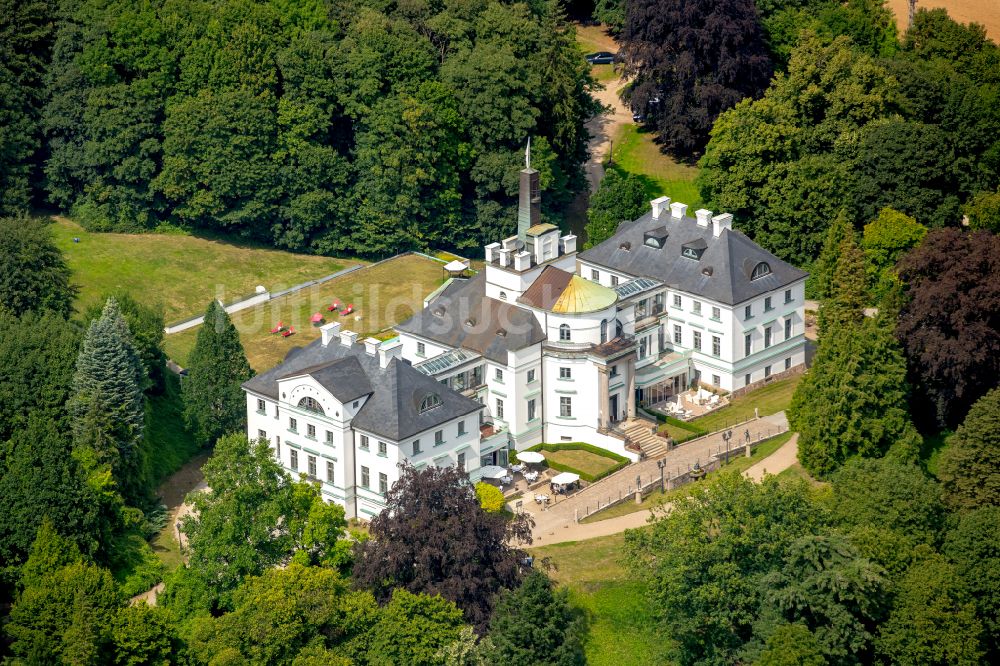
{"x": 622, "y": 631}
{"x": 182, "y": 273}
{"x": 635, "y": 152}
{"x": 581, "y": 461}
{"x": 797, "y": 471}
{"x": 169, "y": 445}
{"x": 737, "y": 463}
{"x": 773, "y": 398}
{"x": 382, "y": 295}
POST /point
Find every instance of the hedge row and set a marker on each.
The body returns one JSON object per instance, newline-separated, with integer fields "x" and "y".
{"x": 622, "y": 461}
{"x": 671, "y": 425}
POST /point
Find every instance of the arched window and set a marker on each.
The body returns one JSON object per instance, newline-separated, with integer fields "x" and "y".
{"x": 564, "y": 332}
{"x": 503, "y": 295}
{"x": 311, "y": 404}
{"x": 430, "y": 402}
{"x": 604, "y": 331}
{"x": 760, "y": 270}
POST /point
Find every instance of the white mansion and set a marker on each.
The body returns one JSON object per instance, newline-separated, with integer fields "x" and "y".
{"x": 546, "y": 344}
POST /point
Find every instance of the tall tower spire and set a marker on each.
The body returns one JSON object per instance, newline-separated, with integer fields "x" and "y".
{"x": 530, "y": 201}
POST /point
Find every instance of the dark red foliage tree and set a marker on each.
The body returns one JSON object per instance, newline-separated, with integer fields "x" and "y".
{"x": 692, "y": 60}
{"x": 950, "y": 325}
{"x": 433, "y": 537}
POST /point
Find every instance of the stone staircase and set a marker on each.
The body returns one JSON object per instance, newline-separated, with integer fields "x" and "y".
{"x": 640, "y": 432}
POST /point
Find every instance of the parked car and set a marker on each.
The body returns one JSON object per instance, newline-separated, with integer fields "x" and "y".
{"x": 600, "y": 58}
{"x": 638, "y": 117}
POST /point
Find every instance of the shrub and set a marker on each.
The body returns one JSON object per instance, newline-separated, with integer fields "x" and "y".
{"x": 490, "y": 497}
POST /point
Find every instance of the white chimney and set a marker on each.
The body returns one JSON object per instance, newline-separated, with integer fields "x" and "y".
{"x": 347, "y": 338}
{"x": 568, "y": 243}
{"x": 720, "y": 222}
{"x": 522, "y": 261}
{"x": 505, "y": 257}
{"x": 659, "y": 205}
{"x": 678, "y": 210}
{"x": 371, "y": 346}
{"x": 491, "y": 250}
{"x": 704, "y": 217}
{"x": 388, "y": 351}
{"x": 329, "y": 331}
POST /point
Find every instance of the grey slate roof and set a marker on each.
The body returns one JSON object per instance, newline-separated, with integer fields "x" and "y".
{"x": 731, "y": 258}
{"x": 463, "y": 316}
{"x": 393, "y": 409}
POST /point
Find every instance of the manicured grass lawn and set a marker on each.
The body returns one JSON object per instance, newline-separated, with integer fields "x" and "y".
{"x": 635, "y": 152}
{"x": 676, "y": 432}
{"x": 382, "y": 295}
{"x": 181, "y": 273}
{"x": 770, "y": 399}
{"x": 582, "y": 461}
{"x": 169, "y": 445}
{"x": 622, "y": 631}
{"x": 737, "y": 463}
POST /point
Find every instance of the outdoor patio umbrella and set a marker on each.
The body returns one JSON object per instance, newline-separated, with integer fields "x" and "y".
{"x": 316, "y": 318}
{"x": 531, "y": 457}
{"x": 492, "y": 472}
{"x": 565, "y": 478}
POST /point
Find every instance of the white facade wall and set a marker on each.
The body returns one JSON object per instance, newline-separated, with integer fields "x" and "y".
{"x": 524, "y": 365}
{"x": 580, "y": 389}
{"x": 601, "y": 275}
{"x": 417, "y": 349}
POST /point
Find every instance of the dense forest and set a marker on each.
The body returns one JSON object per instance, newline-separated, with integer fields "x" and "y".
{"x": 331, "y": 126}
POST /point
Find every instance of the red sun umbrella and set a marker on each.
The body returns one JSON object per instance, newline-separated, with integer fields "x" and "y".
{"x": 316, "y": 318}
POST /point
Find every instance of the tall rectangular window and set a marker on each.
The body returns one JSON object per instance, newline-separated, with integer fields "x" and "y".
{"x": 716, "y": 380}
{"x": 498, "y": 375}
{"x": 716, "y": 314}
{"x": 565, "y": 373}
{"x": 381, "y": 448}
{"x": 565, "y": 406}
{"x": 747, "y": 344}
{"x": 767, "y": 337}
{"x": 595, "y": 275}
{"x": 531, "y": 409}
{"x": 788, "y": 295}
{"x": 716, "y": 346}
{"x": 461, "y": 461}
{"x": 311, "y": 466}
{"x": 564, "y": 333}
{"x": 329, "y": 437}
{"x": 697, "y": 307}
{"x": 748, "y": 312}
{"x": 696, "y": 341}
{"x": 642, "y": 347}
{"x": 416, "y": 446}
{"x": 499, "y": 408}
{"x": 746, "y": 379}
{"x": 677, "y": 334}
{"x": 364, "y": 442}
{"x": 365, "y": 477}
{"x": 383, "y": 483}
{"x": 531, "y": 376}
{"x": 261, "y": 434}
{"x": 461, "y": 428}
{"x": 260, "y": 405}
{"x": 788, "y": 329}
{"x": 421, "y": 349}
{"x": 310, "y": 431}
{"x": 767, "y": 304}
{"x": 330, "y": 477}
{"x": 767, "y": 372}
{"x": 614, "y": 280}
{"x": 677, "y": 300}
{"x": 438, "y": 437}
{"x": 293, "y": 425}
{"x": 788, "y": 363}
{"x": 293, "y": 460}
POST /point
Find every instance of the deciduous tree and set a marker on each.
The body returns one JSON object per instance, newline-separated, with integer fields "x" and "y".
{"x": 969, "y": 468}
{"x": 619, "y": 198}
{"x": 535, "y": 623}
{"x": 885, "y": 240}
{"x": 434, "y": 538}
{"x": 214, "y": 403}
{"x": 972, "y": 547}
{"x": 33, "y": 273}
{"x": 949, "y": 327}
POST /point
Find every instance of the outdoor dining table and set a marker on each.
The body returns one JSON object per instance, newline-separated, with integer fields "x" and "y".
{"x": 539, "y": 499}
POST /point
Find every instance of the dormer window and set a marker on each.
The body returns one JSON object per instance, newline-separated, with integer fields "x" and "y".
{"x": 655, "y": 238}
{"x": 760, "y": 270}
{"x": 430, "y": 402}
{"x": 503, "y": 295}
{"x": 694, "y": 249}
{"x": 311, "y": 404}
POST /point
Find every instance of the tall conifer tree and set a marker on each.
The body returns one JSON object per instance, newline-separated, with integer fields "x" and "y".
{"x": 107, "y": 406}
{"x": 214, "y": 403}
